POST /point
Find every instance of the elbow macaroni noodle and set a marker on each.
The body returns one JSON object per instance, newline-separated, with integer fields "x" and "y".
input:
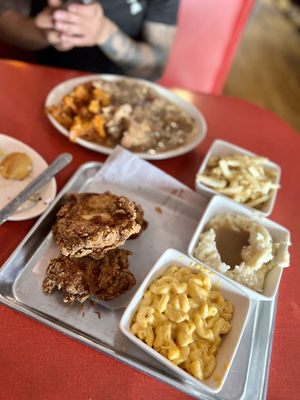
{"x": 182, "y": 316}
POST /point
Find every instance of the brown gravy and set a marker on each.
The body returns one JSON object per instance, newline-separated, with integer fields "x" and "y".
{"x": 230, "y": 244}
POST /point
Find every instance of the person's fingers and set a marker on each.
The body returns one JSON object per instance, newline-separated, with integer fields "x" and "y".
{"x": 68, "y": 29}
{"x": 74, "y": 41}
{"x": 63, "y": 46}
{"x": 84, "y": 10}
{"x": 65, "y": 16}
{"x": 54, "y": 3}
{"x": 53, "y": 37}
{"x": 44, "y": 21}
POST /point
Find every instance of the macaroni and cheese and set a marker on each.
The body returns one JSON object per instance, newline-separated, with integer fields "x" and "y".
{"x": 183, "y": 317}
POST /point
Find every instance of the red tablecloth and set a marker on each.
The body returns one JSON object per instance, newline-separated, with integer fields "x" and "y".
{"x": 37, "y": 362}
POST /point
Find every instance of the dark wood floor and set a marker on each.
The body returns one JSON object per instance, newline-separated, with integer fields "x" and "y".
{"x": 266, "y": 67}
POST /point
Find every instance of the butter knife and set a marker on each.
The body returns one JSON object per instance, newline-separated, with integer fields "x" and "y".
{"x": 58, "y": 164}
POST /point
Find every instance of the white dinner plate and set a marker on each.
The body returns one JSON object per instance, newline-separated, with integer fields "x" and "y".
{"x": 65, "y": 87}
{"x": 9, "y": 188}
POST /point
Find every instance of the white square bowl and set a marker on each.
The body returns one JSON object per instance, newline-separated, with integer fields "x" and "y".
{"x": 223, "y": 148}
{"x": 223, "y": 205}
{"x": 230, "y": 341}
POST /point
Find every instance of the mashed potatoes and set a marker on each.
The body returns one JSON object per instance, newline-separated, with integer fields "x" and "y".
{"x": 241, "y": 249}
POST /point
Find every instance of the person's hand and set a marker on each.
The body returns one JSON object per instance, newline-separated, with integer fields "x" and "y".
{"x": 82, "y": 25}
{"x": 44, "y": 21}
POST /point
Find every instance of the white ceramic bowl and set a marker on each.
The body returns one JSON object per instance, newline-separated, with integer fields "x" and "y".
{"x": 230, "y": 342}
{"x": 221, "y": 205}
{"x": 222, "y": 148}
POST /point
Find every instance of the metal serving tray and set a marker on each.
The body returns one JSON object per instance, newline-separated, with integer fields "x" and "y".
{"x": 98, "y": 326}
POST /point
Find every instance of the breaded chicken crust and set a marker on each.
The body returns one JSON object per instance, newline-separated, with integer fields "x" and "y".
{"x": 84, "y": 277}
{"x": 92, "y": 223}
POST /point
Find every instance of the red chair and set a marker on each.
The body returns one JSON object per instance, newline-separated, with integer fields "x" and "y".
{"x": 208, "y": 34}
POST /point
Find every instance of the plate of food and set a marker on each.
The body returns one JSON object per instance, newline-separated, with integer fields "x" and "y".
{"x": 100, "y": 112}
{"x": 19, "y": 165}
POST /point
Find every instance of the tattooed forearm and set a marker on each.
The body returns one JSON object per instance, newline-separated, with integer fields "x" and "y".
{"x": 135, "y": 58}
{"x": 144, "y": 59}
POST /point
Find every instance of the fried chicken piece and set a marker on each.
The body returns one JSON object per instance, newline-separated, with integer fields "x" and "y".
{"x": 114, "y": 278}
{"x": 62, "y": 117}
{"x": 81, "y": 93}
{"x": 101, "y": 96}
{"x": 80, "y": 128}
{"x": 140, "y": 220}
{"x": 98, "y": 125}
{"x": 91, "y": 223}
{"x": 81, "y": 278}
